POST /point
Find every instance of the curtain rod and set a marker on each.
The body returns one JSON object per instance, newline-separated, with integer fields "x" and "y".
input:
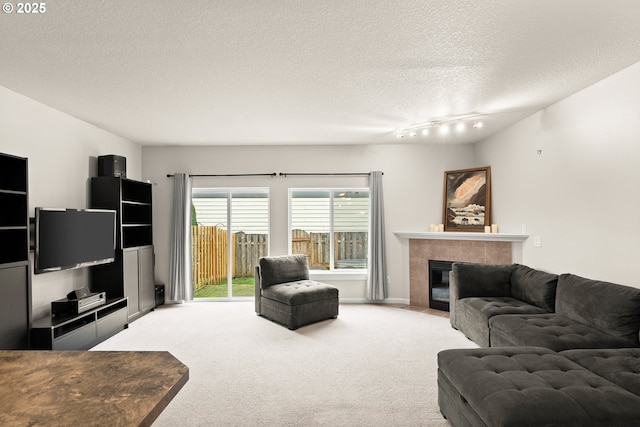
{"x": 285, "y": 174}
{"x": 169, "y": 175}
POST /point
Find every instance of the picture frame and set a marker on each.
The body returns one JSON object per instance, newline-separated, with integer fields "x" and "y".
{"x": 467, "y": 199}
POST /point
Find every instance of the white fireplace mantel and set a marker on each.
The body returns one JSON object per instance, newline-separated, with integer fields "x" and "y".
{"x": 452, "y": 235}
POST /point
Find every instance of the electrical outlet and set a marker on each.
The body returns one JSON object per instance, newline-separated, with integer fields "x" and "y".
{"x": 524, "y": 228}
{"x": 537, "y": 241}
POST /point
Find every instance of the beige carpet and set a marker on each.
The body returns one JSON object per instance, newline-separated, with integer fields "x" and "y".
{"x": 374, "y": 365}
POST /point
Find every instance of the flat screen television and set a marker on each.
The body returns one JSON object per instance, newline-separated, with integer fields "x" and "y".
{"x": 73, "y": 238}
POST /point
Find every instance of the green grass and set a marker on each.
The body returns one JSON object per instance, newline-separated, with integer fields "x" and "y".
{"x": 241, "y": 287}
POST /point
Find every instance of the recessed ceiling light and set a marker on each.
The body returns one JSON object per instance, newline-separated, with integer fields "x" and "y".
{"x": 460, "y": 127}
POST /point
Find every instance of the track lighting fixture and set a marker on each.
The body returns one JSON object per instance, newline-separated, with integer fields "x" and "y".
{"x": 444, "y": 127}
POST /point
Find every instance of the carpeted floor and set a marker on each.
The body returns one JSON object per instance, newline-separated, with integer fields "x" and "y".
{"x": 374, "y": 365}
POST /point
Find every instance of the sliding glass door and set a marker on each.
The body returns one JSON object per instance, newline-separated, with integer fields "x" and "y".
{"x": 230, "y": 230}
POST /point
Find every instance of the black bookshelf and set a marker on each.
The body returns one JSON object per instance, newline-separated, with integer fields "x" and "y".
{"x": 15, "y": 294}
{"x": 132, "y": 273}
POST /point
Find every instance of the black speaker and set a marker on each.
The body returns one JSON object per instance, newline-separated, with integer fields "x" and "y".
{"x": 112, "y": 165}
{"x": 159, "y": 295}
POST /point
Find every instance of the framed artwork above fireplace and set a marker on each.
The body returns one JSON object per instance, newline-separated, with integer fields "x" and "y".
{"x": 467, "y": 199}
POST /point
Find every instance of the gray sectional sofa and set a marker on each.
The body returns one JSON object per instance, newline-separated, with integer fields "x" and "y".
{"x": 564, "y": 350}
{"x": 515, "y": 305}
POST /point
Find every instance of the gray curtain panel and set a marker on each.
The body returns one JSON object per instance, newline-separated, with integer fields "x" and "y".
{"x": 377, "y": 263}
{"x": 180, "y": 277}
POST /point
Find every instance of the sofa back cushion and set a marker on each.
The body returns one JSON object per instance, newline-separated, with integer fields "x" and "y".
{"x": 283, "y": 269}
{"x": 480, "y": 280}
{"x": 609, "y": 307}
{"x": 534, "y": 287}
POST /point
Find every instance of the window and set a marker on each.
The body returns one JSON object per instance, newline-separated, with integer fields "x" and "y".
{"x": 230, "y": 230}
{"x": 331, "y": 227}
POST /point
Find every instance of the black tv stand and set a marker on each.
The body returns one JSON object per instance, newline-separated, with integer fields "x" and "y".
{"x": 80, "y": 331}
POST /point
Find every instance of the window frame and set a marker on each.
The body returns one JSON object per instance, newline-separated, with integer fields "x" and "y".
{"x": 333, "y": 273}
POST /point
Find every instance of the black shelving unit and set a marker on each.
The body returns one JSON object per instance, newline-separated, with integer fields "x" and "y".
{"x": 15, "y": 294}
{"x": 132, "y": 273}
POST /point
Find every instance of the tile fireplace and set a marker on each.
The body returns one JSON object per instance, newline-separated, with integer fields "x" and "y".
{"x": 485, "y": 248}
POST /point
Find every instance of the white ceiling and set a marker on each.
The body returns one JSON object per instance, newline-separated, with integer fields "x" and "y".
{"x": 310, "y": 71}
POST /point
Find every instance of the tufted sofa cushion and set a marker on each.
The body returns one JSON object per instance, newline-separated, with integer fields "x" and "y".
{"x": 549, "y": 330}
{"x": 534, "y": 286}
{"x": 609, "y": 307}
{"x": 475, "y": 312}
{"x": 528, "y": 386}
{"x": 620, "y": 366}
{"x": 300, "y": 292}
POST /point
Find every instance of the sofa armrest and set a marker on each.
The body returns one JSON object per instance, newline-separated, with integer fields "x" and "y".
{"x": 257, "y": 288}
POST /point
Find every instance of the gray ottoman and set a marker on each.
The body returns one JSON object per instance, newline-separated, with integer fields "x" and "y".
{"x": 621, "y": 366}
{"x": 528, "y": 386}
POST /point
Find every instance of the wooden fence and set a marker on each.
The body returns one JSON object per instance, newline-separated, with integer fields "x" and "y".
{"x": 210, "y": 249}
{"x": 248, "y": 249}
{"x": 314, "y": 245}
{"x": 210, "y": 259}
{"x": 350, "y": 248}
{"x": 208, "y": 267}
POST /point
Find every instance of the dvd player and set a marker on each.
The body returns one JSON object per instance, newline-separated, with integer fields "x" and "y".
{"x": 80, "y": 305}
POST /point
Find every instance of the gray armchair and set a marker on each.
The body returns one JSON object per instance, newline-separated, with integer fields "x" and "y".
{"x": 284, "y": 293}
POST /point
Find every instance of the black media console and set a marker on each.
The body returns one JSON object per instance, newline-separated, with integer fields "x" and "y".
{"x": 80, "y": 331}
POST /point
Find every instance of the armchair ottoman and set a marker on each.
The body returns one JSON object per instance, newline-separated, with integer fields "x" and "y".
{"x": 284, "y": 293}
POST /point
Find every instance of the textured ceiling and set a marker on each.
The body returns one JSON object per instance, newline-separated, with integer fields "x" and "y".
{"x": 304, "y": 71}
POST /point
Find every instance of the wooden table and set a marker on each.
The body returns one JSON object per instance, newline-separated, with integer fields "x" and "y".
{"x": 87, "y": 388}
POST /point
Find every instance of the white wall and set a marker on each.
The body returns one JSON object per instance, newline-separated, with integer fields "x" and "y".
{"x": 62, "y": 153}
{"x": 580, "y": 194}
{"x": 412, "y": 185}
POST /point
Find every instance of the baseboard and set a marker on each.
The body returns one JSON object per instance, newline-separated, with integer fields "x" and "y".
{"x": 366, "y": 301}
{"x": 342, "y": 300}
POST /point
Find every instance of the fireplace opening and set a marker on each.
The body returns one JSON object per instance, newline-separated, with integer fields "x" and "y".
{"x": 439, "y": 284}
